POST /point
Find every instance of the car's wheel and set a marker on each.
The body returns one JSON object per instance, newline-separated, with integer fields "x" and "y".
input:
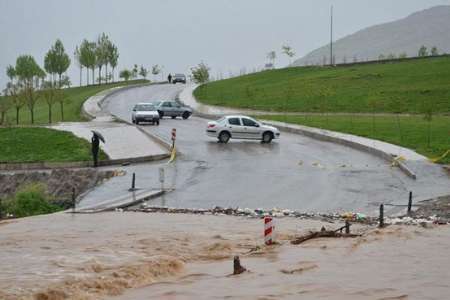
{"x": 185, "y": 115}
{"x": 136, "y": 122}
{"x": 224, "y": 137}
{"x": 161, "y": 114}
{"x": 132, "y": 121}
{"x": 157, "y": 122}
{"x": 267, "y": 137}
{"x": 173, "y": 117}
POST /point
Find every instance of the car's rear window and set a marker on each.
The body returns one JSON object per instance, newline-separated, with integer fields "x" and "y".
{"x": 146, "y": 107}
{"x": 234, "y": 121}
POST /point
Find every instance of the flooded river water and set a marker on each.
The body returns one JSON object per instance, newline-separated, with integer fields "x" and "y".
{"x": 166, "y": 256}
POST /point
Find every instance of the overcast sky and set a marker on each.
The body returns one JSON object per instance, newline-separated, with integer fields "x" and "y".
{"x": 226, "y": 34}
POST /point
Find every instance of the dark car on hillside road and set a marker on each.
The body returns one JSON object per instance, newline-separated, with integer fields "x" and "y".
{"x": 179, "y": 78}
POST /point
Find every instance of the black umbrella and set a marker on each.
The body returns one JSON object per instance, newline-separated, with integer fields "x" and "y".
{"x": 99, "y": 135}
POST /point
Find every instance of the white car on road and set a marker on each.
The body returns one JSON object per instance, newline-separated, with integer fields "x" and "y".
{"x": 145, "y": 112}
{"x": 241, "y": 127}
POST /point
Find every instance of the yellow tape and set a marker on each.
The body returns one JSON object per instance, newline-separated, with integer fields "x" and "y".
{"x": 397, "y": 160}
{"x": 435, "y": 160}
{"x": 173, "y": 155}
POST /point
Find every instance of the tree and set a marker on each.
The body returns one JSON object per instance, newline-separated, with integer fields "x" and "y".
{"x": 12, "y": 90}
{"x": 403, "y": 55}
{"x": 143, "y": 72}
{"x": 101, "y": 54}
{"x": 61, "y": 98}
{"x": 88, "y": 59}
{"x": 125, "y": 74}
{"x": 113, "y": 57}
{"x": 135, "y": 71}
{"x": 200, "y": 74}
{"x": 381, "y": 57}
{"x": 271, "y": 56}
{"x": 434, "y": 51}
{"x": 29, "y": 72}
{"x": 288, "y": 51}
{"x": 59, "y": 60}
{"x": 49, "y": 94}
{"x": 156, "y": 69}
{"x": 77, "y": 56}
{"x": 11, "y": 73}
{"x": 5, "y": 105}
{"x": 423, "y": 51}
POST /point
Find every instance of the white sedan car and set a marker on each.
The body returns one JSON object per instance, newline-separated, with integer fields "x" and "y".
{"x": 145, "y": 112}
{"x": 241, "y": 127}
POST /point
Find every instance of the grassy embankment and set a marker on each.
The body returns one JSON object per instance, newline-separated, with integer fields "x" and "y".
{"x": 75, "y": 98}
{"x": 34, "y": 144}
{"x": 412, "y": 91}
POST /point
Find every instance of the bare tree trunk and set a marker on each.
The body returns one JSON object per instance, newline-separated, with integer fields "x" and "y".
{"x": 59, "y": 79}
{"x": 61, "y": 106}
{"x": 32, "y": 114}
{"x": 87, "y": 76}
{"x": 99, "y": 75}
{"x": 106, "y": 73}
{"x": 49, "y": 113}
{"x": 17, "y": 115}
{"x": 93, "y": 75}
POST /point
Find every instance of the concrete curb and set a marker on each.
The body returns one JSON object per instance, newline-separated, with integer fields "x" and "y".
{"x": 324, "y": 135}
{"x": 104, "y": 94}
{"x": 78, "y": 164}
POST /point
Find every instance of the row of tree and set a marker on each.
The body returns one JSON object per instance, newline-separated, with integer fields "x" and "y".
{"x": 97, "y": 55}
{"x": 27, "y": 85}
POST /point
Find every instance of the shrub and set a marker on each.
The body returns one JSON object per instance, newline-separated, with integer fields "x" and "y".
{"x": 29, "y": 201}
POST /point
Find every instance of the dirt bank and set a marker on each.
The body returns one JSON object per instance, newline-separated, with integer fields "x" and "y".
{"x": 59, "y": 182}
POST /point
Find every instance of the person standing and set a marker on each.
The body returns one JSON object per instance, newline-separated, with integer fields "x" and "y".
{"x": 169, "y": 78}
{"x": 95, "y": 148}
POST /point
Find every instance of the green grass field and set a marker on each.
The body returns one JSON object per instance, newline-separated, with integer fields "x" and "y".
{"x": 408, "y": 131}
{"x": 407, "y": 86}
{"x": 72, "y": 108}
{"x": 36, "y": 144}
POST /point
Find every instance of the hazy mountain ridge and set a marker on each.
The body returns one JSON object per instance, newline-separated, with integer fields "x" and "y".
{"x": 430, "y": 27}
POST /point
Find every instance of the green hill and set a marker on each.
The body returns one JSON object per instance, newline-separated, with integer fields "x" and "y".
{"x": 408, "y": 86}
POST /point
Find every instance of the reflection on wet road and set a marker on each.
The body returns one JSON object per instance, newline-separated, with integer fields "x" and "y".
{"x": 294, "y": 172}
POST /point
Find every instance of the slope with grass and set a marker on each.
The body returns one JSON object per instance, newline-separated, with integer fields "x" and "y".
{"x": 431, "y": 139}
{"x": 37, "y": 144}
{"x": 75, "y": 98}
{"x": 405, "y": 103}
{"x": 411, "y": 86}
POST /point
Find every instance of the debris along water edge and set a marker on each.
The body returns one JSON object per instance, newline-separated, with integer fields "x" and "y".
{"x": 417, "y": 219}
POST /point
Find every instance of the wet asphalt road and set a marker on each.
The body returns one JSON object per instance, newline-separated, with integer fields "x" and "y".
{"x": 293, "y": 172}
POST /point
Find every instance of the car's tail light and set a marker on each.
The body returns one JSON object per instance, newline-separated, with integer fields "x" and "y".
{"x": 211, "y": 125}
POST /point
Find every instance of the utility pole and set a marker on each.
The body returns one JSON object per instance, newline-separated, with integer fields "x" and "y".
{"x": 331, "y": 38}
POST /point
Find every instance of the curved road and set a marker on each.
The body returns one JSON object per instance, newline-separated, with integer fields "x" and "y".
{"x": 295, "y": 172}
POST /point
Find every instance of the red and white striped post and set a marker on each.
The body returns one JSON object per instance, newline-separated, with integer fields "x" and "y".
{"x": 268, "y": 230}
{"x": 174, "y": 137}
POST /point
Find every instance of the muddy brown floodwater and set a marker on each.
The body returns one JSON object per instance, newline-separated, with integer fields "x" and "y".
{"x": 174, "y": 256}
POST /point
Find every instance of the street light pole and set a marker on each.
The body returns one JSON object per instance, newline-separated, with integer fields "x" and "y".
{"x": 331, "y": 37}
